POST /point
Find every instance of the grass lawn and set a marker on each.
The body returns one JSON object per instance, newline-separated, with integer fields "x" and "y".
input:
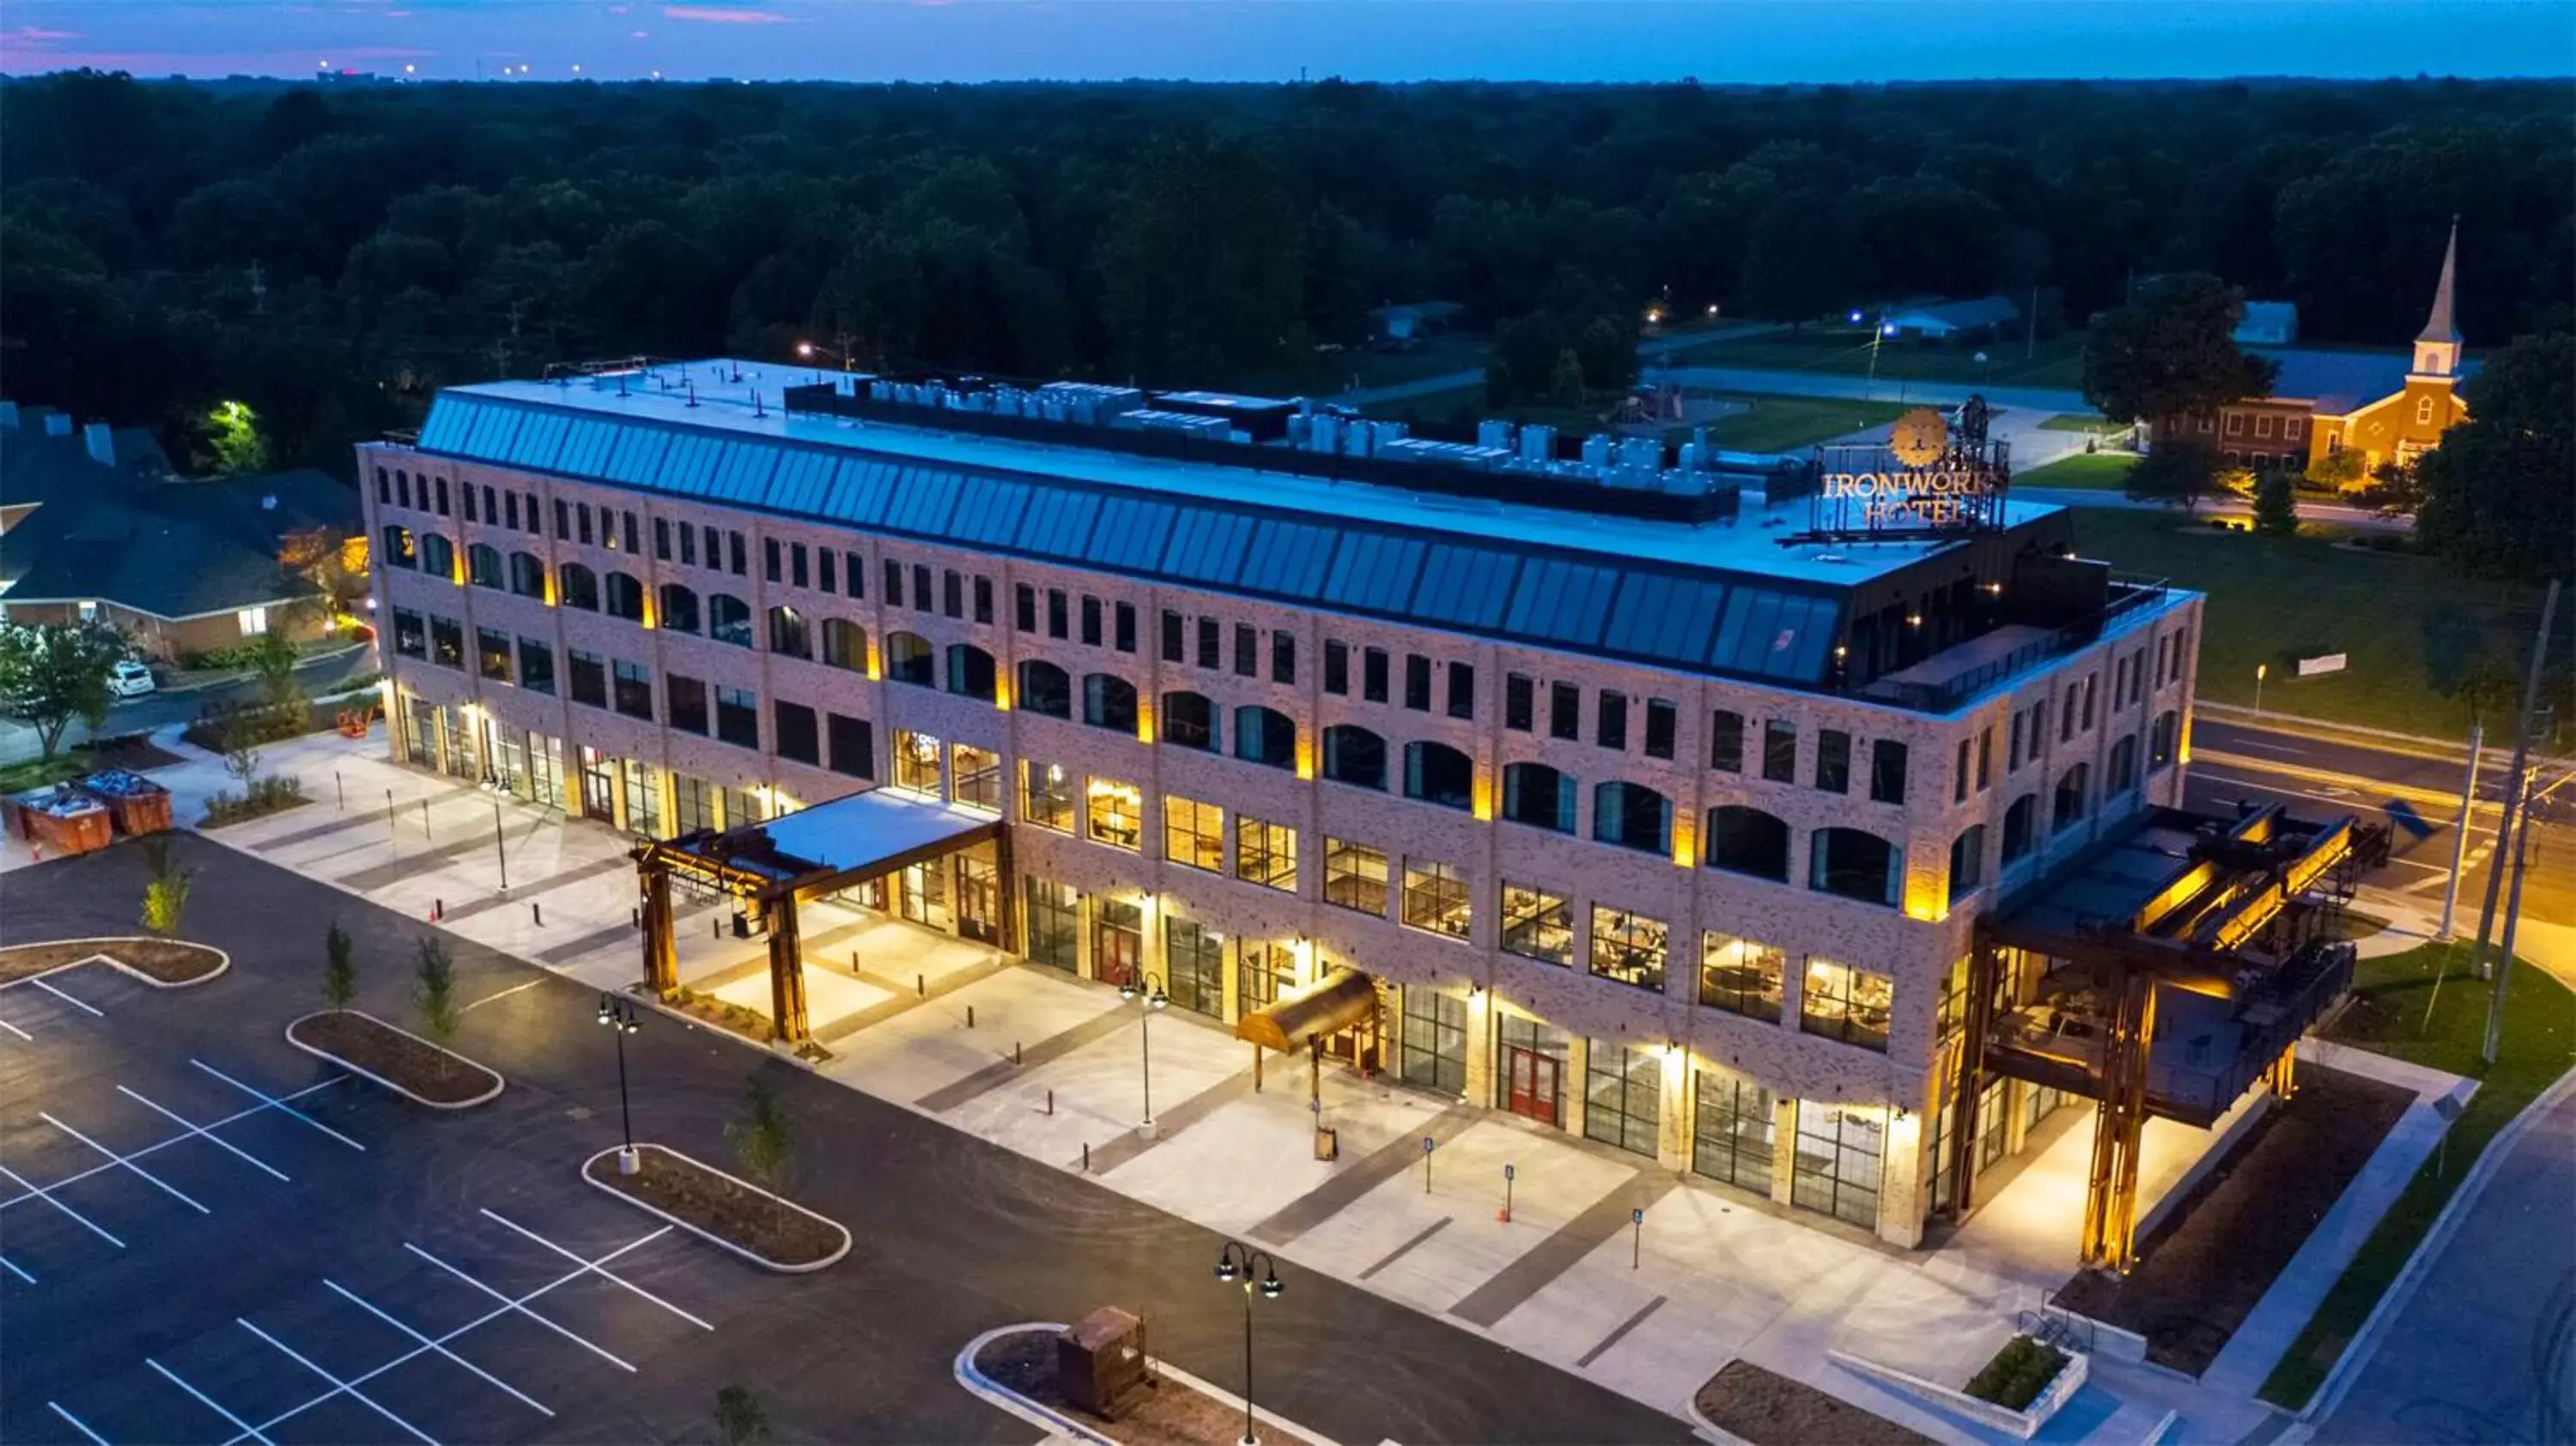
{"x": 2095, "y": 471}
{"x": 2410, "y": 625}
{"x": 2059, "y": 361}
{"x": 2388, "y": 1015}
{"x": 2067, "y": 422}
{"x": 37, "y": 772}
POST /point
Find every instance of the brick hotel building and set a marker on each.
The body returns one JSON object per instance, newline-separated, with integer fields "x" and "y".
{"x": 1643, "y": 819}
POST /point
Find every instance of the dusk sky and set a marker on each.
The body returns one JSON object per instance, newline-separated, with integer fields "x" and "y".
{"x": 1260, "y": 40}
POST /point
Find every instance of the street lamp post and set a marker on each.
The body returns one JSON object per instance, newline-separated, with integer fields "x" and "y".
{"x": 1236, "y": 1261}
{"x": 841, "y": 353}
{"x": 1148, "y": 986}
{"x": 2261, "y": 671}
{"x": 619, "y": 1016}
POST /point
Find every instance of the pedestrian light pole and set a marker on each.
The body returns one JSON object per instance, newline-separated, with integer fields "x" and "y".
{"x": 1236, "y": 1261}
{"x": 2261, "y": 671}
{"x": 618, "y": 1015}
{"x": 1147, "y": 986}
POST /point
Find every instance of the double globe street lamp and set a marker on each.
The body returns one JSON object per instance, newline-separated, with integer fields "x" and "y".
{"x": 1236, "y": 1261}
{"x": 1148, "y": 986}
{"x": 618, "y": 1016}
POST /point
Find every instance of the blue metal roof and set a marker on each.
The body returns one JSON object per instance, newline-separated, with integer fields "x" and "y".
{"x": 1688, "y": 618}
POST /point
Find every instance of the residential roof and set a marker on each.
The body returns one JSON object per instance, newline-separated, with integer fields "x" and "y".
{"x": 37, "y": 466}
{"x": 2339, "y": 382}
{"x": 176, "y": 549}
{"x": 1722, "y": 596}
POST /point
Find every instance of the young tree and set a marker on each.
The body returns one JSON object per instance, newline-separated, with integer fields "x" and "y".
{"x": 233, "y": 444}
{"x": 2276, "y": 506}
{"x": 740, "y": 1420}
{"x": 1566, "y": 384}
{"x": 2496, "y": 497}
{"x": 272, "y": 661}
{"x": 339, "y": 967}
{"x": 434, "y": 990}
{"x": 2170, "y": 353}
{"x": 2337, "y": 471}
{"x": 52, "y": 673}
{"x": 2177, "y": 474}
{"x": 763, "y": 1141}
{"x": 165, "y": 893}
{"x": 241, "y": 757}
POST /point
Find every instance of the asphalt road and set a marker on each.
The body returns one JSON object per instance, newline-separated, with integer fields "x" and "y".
{"x": 2485, "y": 1349}
{"x": 154, "y": 710}
{"x": 953, "y": 1235}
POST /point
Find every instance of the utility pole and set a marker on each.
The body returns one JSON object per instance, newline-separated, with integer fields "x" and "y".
{"x": 2460, "y": 831}
{"x": 2512, "y": 917}
{"x": 2513, "y": 785}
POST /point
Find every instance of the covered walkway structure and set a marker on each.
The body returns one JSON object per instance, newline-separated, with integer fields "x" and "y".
{"x": 771, "y": 867}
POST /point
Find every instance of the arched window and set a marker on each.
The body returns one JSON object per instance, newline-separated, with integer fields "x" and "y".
{"x": 1539, "y": 796}
{"x": 2074, "y": 791}
{"x": 2123, "y": 772}
{"x": 1855, "y": 864}
{"x": 788, "y": 634}
{"x": 1745, "y": 840}
{"x": 1109, "y": 701}
{"x": 580, "y": 587}
{"x": 2021, "y": 828}
{"x": 527, "y": 574}
{"x": 728, "y": 619}
{"x": 483, "y": 565}
{"x": 437, "y": 555}
{"x": 1355, "y": 756}
{"x": 908, "y": 660}
{"x": 1438, "y": 773}
{"x": 1632, "y": 816}
{"x": 970, "y": 671}
{"x": 1967, "y": 861}
{"x": 397, "y": 549}
{"x": 1045, "y": 689}
{"x": 679, "y": 608}
{"x": 1265, "y": 736}
{"x": 1189, "y": 721}
{"x": 2160, "y": 740}
{"x": 845, "y": 644}
{"x": 625, "y": 597}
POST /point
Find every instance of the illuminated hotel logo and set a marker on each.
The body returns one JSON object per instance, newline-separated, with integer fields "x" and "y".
{"x": 1925, "y": 480}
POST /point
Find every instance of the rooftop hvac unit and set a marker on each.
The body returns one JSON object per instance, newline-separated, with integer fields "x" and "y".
{"x": 1596, "y": 451}
{"x": 1645, "y": 454}
{"x": 1689, "y": 460}
{"x": 1494, "y": 432}
{"x": 1323, "y": 433}
{"x": 1538, "y": 443}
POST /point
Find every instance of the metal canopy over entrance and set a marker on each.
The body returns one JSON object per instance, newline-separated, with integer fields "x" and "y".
{"x": 802, "y": 855}
{"x": 2163, "y": 971}
{"x": 1308, "y": 1017}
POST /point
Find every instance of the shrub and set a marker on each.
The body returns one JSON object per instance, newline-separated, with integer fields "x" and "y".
{"x": 764, "y": 1143}
{"x": 740, "y": 1419}
{"x": 264, "y": 796}
{"x": 165, "y": 895}
{"x": 340, "y": 967}
{"x": 2018, "y": 1373}
{"x": 434, "y": 989}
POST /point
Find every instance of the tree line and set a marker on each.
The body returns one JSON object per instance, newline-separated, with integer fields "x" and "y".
{"x": 331, "y": 255}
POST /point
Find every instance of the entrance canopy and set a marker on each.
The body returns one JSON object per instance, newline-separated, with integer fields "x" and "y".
{"x": 830, "y": 846}
{"x": 1329, "y": 1005}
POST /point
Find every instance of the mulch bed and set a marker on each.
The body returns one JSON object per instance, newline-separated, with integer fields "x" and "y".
{"x": 1768, "y": 1409}
{"x": 720, "y": 1206}
{"x": 1167, "y": 1414}
{"x": 2204, "y": 1270}
{"x": 425, "y": 1070}
{"x": 135, "y": 751}
{"x": 168, "y": 960}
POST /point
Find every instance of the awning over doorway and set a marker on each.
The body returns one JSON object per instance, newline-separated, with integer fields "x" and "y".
{"x": 1329, "y": 1005}
{"x": 832, "y": 845}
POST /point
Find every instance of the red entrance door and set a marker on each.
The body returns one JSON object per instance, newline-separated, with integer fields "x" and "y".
{"x": 1530, "y": 1083}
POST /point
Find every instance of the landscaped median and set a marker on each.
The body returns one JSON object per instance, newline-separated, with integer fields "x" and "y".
{"x": 1020, "y": 1369}
{"x": 401, "y": 1061}
{"x": 161, "y": 963}
{"x": 769, "y": 1230}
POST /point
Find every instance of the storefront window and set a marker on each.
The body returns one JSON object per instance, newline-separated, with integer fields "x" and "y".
{"x": 1117, "y": 940}
{"x": 1055, "y": 924}
{"x": 1264, "y": 970}
{"x": 1537, "y": 925}
{"x": 1741, "y": 976}
{"x": 979, "y": 777}
{"x": 1838, "y": 1161}
{"x": 1951, "y": 1015}
{"x": 1623, "y": 1095}
{"x": 741, "y": 809}
{"x": 1732, "y": 1129}
{"x": 1434, "y": 1052}
{"x": 1193, "y": 833}
{"x": 1194, "y": 966}
{"x": 692, "y": 810}
{"x": 1841, "y": 1002}
{"x": 643, "y": 800}
{"x": 1117, "y": 812}
{"x": 917, "y": 760}
{"x": 1435, "y": 897}
{"x": 1628, "y": 947}
{"x": 1046, "y": 795}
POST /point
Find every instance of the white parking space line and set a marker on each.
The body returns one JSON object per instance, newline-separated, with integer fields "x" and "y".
{"x": 337, "y": 1384}
{"x": 78, "y": 1424}
{"x": 521, "y": 1306}
{"x": 74, "y": 1001}
{"x": 35, "y": 1192}
{"x": 353, "y": 1298}
{"x": 247, "y": 1430}
{"x": 13, "y": 1029}
{"x": 194, "y": 1128}
{"x": 11, "y": 1266}
{"x": 275, "y": 1103}
{"x": 502, "y": 994}
{"x": 595, "y": 1270}
{"x": 116, "y": 1159}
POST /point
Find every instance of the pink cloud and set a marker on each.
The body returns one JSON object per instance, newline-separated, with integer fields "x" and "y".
{"x": 35, "y": 37}
{"x": 713, "y": 16}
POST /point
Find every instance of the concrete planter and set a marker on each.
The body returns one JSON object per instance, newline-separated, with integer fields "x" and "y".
{"x": 362, "y": 1072}
{"x": 756, "y": 1258}
{"x": 2022, "y": 1424}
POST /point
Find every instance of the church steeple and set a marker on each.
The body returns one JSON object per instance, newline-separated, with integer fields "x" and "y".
{"x": 2437, "y": 347}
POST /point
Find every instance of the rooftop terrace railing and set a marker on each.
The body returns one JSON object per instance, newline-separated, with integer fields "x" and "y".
{"x": 2128, "y": 595}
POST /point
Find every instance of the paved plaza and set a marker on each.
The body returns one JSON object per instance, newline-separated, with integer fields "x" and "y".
{"x": 1608, "y": 1266}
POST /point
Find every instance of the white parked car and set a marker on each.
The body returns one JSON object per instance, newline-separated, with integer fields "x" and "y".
{"x": 130, "y": 679}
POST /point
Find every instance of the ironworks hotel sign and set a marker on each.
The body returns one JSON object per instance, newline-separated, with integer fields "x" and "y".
{"x": 1923, "y": 482}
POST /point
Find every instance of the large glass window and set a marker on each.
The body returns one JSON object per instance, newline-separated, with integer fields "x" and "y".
{"x": 853, "y": 745}
{"x": 920, "y": 763}
{"x": 1632, "y": 816}
{"x": 979, "y": 776}
{"x": 1117, "y": 940}
{"x": 1841, "y": 1002}
{"x": 1726, "y": 741}
{"x": 1838, "y": 1161}
{"x": 684, "y": 700}
{"x": 1537, "y": 924}
{"x": 970, "y": 672}
{"x": 634, "y": 689}
{"x": 589, "y": 678}
{"x": 1886, "y": 771}
{"x": 1438, "y": 773}
{"x": 845, "y": 645}
{"x": 1045, "y": 689}
{"x": 1435, "y": 897}
{"x": 679, "y": 609}
{"x": 909, "y": 659}
{"x": 492, "y": 655}
{"x": 1434, "y": 1047}
{"x": 2160, "y": 740}
{"x": 1116, "y": 813}
{"x": 1628, "y": 947}
{"x": 643, "y": 799}
{"x": 1967, "y": 861}
{"x": 1355, "y": 756}
{"x": 692, "y": 805}
{"x": 579, "y": 587}
{"x": 2020, "y": 827}
{"x": 447, "y": 643}
{"x": 1741, "y": 976}
{"x": 1780, "y": 750}
{"x": 1189, "y": 720}
{"x": 1193, "y": 833}
{"x": 1354, "y": 876}
{"x": 1851, "y": 863}
{"x": 1055, "y": 923}
{"x": 2074, "y": 795}
{"x": 728, "y": 619}
{"x": 1264, "y": 970}
{"x": 536, "y": 666}
{"x": 1046, "y": 795}
{"x": 1537, "y": 795}
{"x": 1265, "y": 736}
{"x": 483, "y": 565}
{"x": 411, "y": 637}
{"x": 1194, "y": 966}
{"x": 1731, "y": 1129}
{"x": 1623, "y": 1095}
{"x": 1109, "y": 701}
{"x": 1833, "y": 760}
{"x": 625, "y": 597}
{"x": 738, "y": 716}
{"x": 1265, "y": 853}
{"x": 438, "y": 558}
{"x": 1745, "y": 840}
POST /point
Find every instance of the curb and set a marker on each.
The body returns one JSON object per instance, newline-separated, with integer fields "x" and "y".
{"x": 2365, "y": 1342}
{"x": 984, "y": 1388}
{"x": 763, "y": 1261}
{"x": 224, "y": 960}
{"x": 498, "y": 1083}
